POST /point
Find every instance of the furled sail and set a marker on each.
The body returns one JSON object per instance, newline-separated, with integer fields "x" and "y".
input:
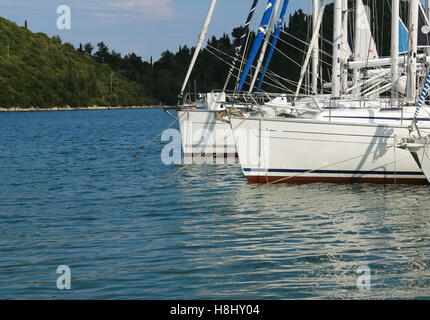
{"x": 274, "y": 42}
{"x": 367, "y": 46}
{"x": 346, "y": 51}
{"x": 257, "y": 43}
{"x": 423, "y": 29}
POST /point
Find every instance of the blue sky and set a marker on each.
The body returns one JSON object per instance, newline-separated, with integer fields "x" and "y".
{"x": 147, "y": 27}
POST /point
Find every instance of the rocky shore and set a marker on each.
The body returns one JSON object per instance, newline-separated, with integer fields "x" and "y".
{"x": 32, "y": 109}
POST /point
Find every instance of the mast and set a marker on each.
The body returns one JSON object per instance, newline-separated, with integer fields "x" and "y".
{"x": 265, "y": 44}
{"x": 412, "y": 58}
{"x": 359, "y": 12}
{"x": 241, "y": 43}
{"x": 259, "y": 38}
{"x": 337, "y": 42}
{"x": 428, "y": 9}
{"x": 311, "y": 46}
{"x": 395, "y": 16}
{"x": 344, "y": 71}
{"x": 199, "y": 45}
{"x": 315, "y": 51}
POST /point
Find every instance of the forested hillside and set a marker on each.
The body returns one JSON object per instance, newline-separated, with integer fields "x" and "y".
{"x": 38, "y": 71}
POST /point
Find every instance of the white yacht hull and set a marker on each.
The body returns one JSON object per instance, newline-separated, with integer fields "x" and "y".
{"x": 204, "y": 136}
{"x": 348, "y": 150}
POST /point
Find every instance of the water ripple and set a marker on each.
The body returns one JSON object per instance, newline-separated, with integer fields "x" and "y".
{"x": 71, "y": 193}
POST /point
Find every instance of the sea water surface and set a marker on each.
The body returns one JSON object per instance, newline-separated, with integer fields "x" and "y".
{"x": 72, "y": 194}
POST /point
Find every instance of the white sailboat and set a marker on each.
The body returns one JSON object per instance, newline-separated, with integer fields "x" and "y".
{"x": 344, "y": 140}
{"x": 205, "y": 132}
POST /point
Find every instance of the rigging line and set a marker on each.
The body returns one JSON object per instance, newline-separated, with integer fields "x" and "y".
{"x": 320, "y": 50}
{"x": 327, "y": 166}
{"x": 279, "y": 86}
{"x": 322, "y": 61}
{"x": 292, "y": 82}
{"x": 303, "y": 51}
{"x": 288, "y": 81}
{"x": 242, "y": 61}
{"x": 280, "y": 83}
{"x": 230, "y": 63}
{"x": 245, "y": 54}
{"x": 155, "y": 138}
{"x": 241, "y": 41}
{"x": 292, "y": 60}
{"x": 307, "y": 44}
{"x": 272, "y": 75}
{"x": 224, "y": 137}
{"x": 222, "y": 52}
{"x": 245, "y": 82}
{"x": 253, "y": 67}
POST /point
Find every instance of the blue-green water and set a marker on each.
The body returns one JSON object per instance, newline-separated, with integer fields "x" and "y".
{"x": 72, "y": 194}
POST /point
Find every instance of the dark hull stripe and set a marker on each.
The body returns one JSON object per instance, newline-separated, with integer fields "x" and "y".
{"x": 340, "y": 180}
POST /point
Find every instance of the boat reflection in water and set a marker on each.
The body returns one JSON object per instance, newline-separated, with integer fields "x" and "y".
{"x": 307, "y": 241}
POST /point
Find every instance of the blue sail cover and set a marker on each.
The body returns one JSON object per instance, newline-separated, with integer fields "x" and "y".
{"x": 423, "y": 96}
{"x": 274, "y": 42}
{"x": 423, "y": 36}
{"x": 403, "y": 37}
{"x": 257, "y": 43}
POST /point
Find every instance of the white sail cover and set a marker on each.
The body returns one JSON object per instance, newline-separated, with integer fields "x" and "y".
{"x": 346, "y": 51}
{"x": 367, "y": 46}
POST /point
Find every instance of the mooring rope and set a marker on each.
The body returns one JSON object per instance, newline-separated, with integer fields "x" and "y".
{"x": 155, "y": 138}
{"x": 199, "y": 156}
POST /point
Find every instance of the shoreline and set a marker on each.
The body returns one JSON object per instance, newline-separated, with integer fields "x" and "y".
{"x": 32, "y": 109}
